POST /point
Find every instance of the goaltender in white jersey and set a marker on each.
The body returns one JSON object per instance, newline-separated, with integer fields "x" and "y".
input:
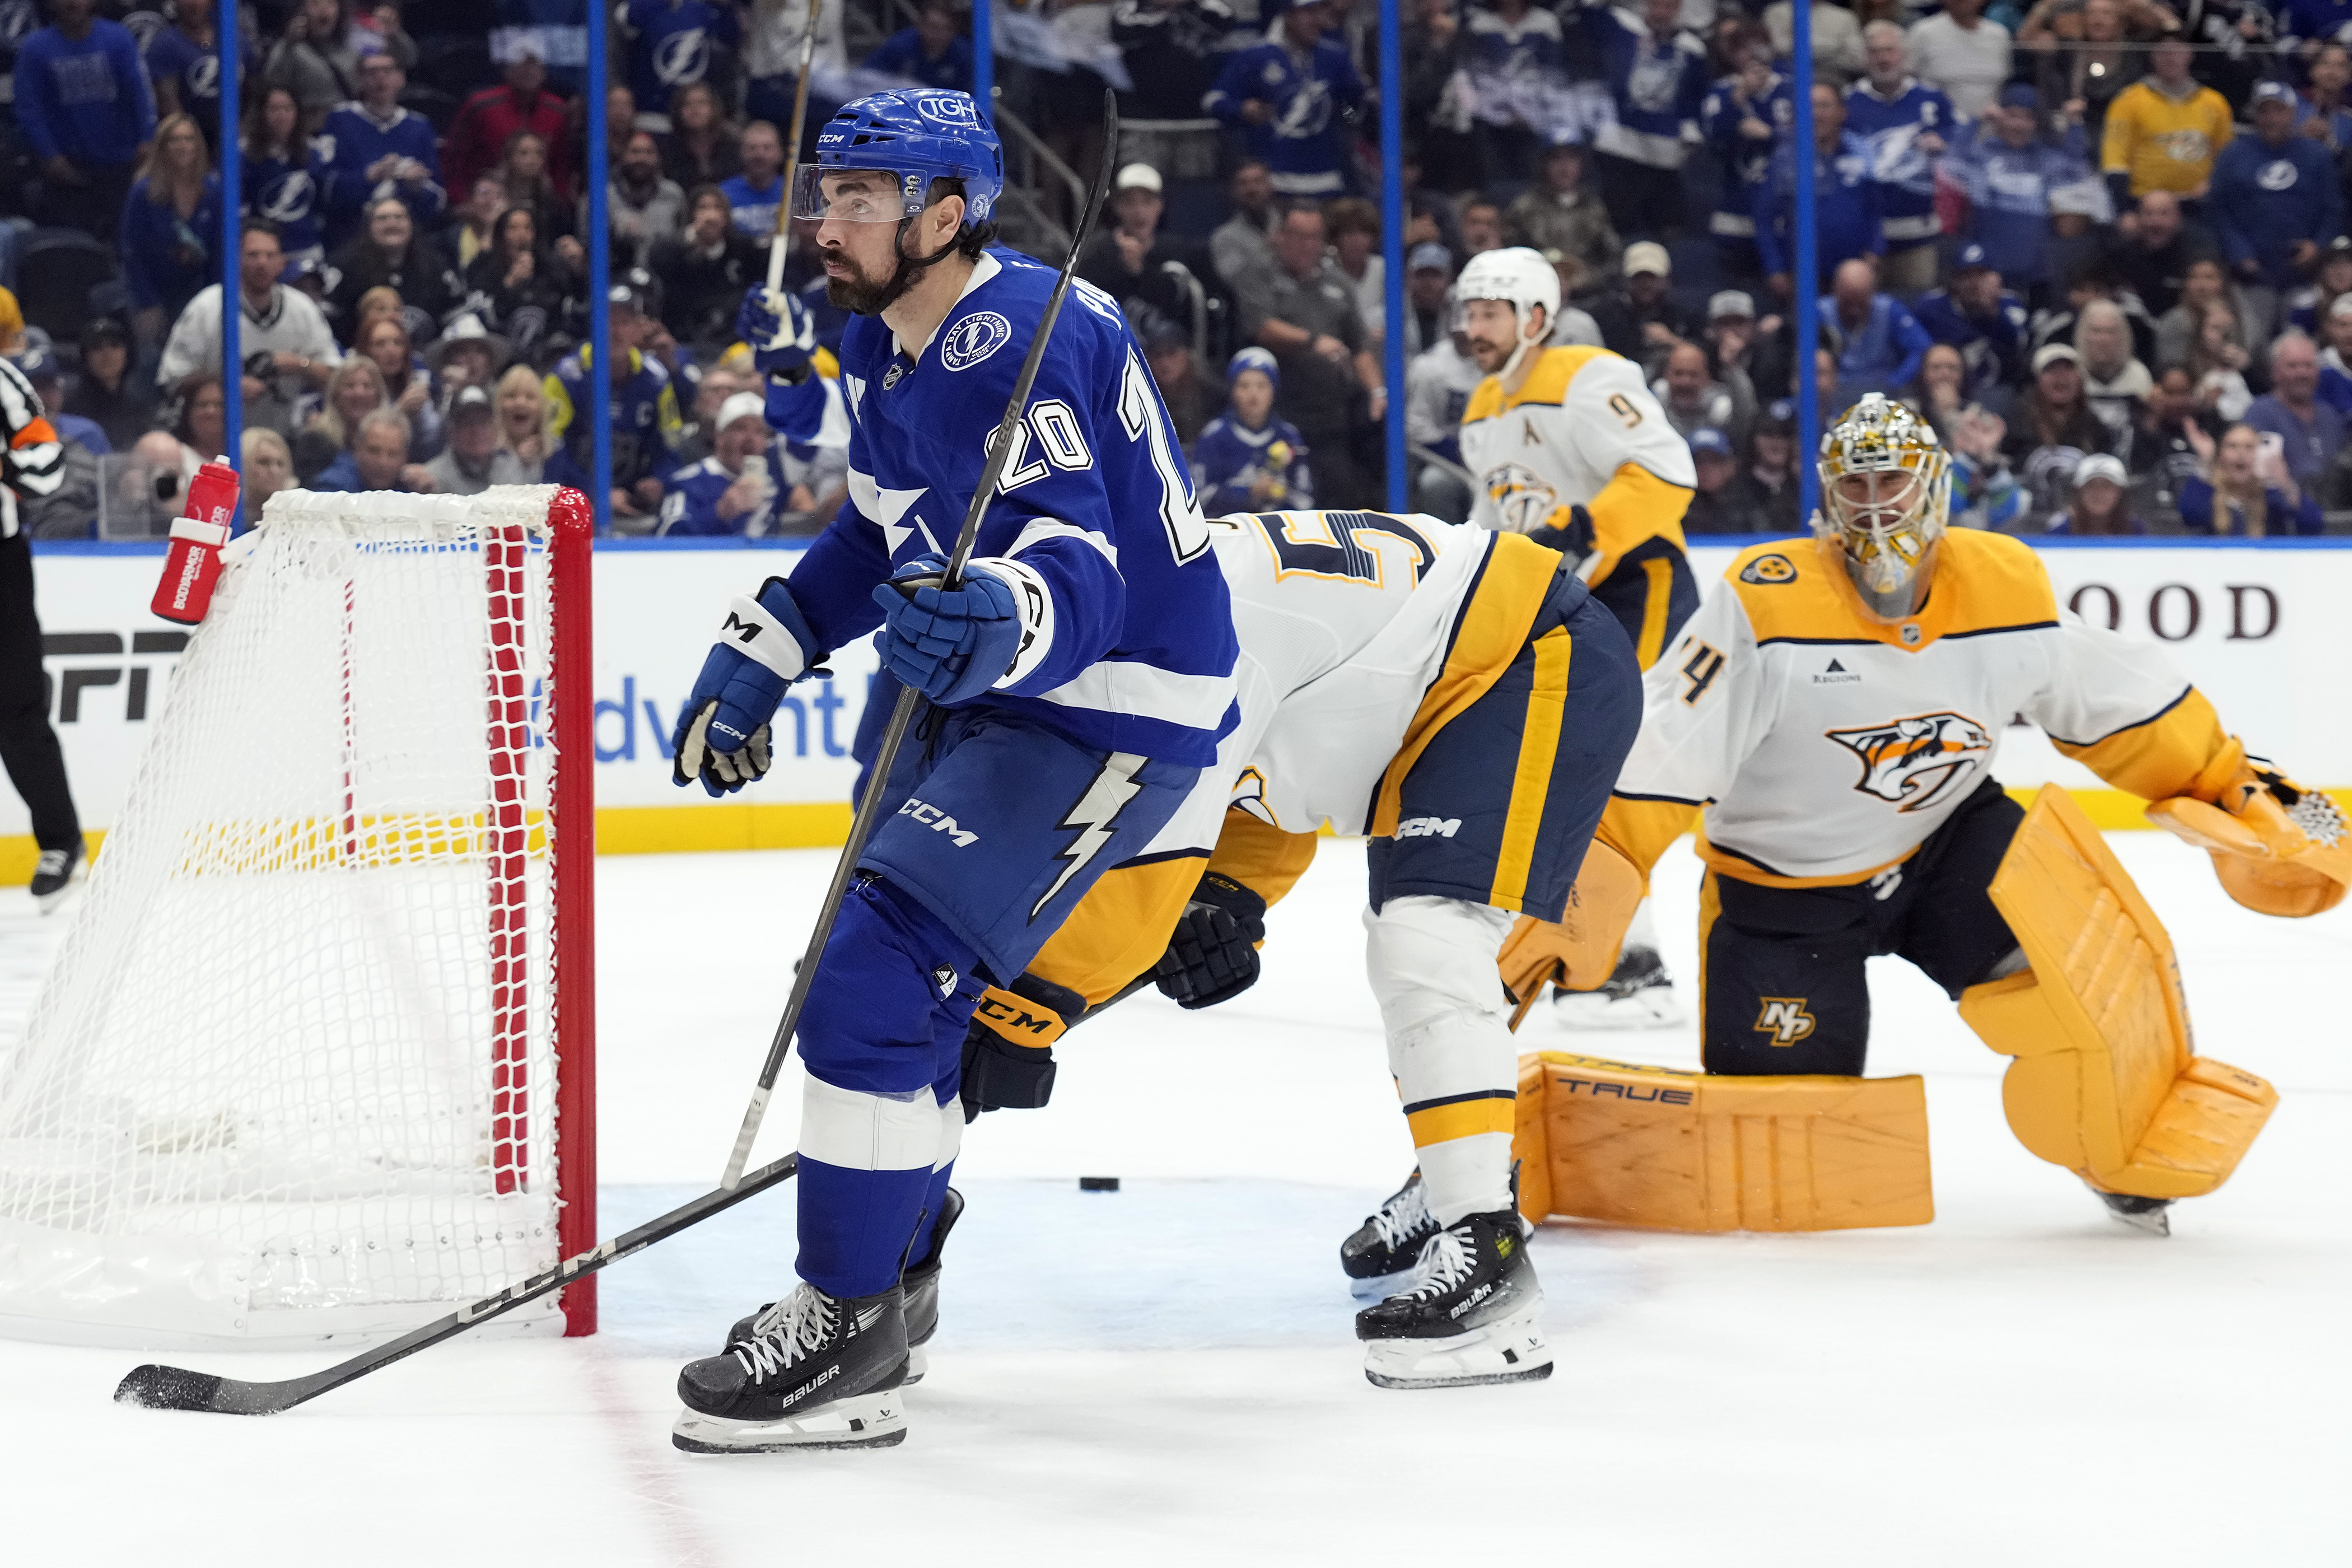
{"x": 1458, "y": 696}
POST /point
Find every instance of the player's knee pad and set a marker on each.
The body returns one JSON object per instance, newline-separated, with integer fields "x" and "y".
{"x": 1434, "y": 957}
{"x": 1683, "y": 1151}
{"x": 861, "y": 1130}
{"x": 2105, "y": 1082}
{"x": 893, "y": 981}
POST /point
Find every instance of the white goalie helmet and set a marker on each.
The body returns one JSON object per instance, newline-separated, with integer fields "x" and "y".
{"x": 1887, "y": 484}
{"x": 1520, "y": 277}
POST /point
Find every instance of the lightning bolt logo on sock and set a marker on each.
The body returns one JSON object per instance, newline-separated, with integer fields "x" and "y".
{"x": 1092, "y": 816}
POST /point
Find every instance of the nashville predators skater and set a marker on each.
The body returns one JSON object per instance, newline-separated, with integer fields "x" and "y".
{"x": 1834, "y": 714}
{"x": 1459, "y": 697}
{"x": 1569, "y": 448}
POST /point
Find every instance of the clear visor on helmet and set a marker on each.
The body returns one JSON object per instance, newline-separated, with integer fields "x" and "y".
{"x": 856, "y": 195}
{"x": 1885, "y": 520}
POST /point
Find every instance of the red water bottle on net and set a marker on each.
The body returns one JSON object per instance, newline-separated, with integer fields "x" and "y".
{"x": 193, "y": 564}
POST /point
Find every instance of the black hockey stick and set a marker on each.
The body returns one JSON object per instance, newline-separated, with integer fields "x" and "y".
{"x": 176, "y": 1388}
{"x": 902, "y": 716}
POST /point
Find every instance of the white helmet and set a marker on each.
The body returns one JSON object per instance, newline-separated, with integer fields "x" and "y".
{"x": 1520, "y": 277}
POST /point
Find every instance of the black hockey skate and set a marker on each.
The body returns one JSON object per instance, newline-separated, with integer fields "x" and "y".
{"x": 2150, "y": 1214}
{"x": 1382, "y": 1252}
{"x": 920, "y": 1282}
{"x": 53, "y": 876}
{"x": 824, "y": 1372}
{"x": 1473, "y": 1315}
{"x": 1638, "y": 994}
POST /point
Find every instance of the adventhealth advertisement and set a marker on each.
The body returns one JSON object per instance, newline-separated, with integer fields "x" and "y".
{"x": 2263, "y": 629}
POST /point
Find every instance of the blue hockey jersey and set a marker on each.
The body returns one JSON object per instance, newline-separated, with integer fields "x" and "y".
{"x": 352, "y": 140}
{"x": 290, "y": 194}
{"x": 753, "y": 206}
{"x": 1991, "y": 346}
{"x": 690, "y": 498}
{"x": 670, "y": 44}
{"x": 1905, "y": 172}
{"x": 1229, "y": 458}
{"x": 1845, "y": 209}
{"x": 1304, "y": 146}
{"x": 1746, "y": 161}
{"x": 1136, "y": 651}
{"x": 1655, "y": 88}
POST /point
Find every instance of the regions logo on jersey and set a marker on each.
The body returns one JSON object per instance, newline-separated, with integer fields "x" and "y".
{"x": 974, "y": 339}
{"x": 1767, "y": 569}
{"x": 1521, "y": 496}
{"x": 1785, "y": 1019}
{"x": 1919, "y": 762}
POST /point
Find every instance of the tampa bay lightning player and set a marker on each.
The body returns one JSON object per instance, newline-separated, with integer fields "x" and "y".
{"x": 1081, "y": 676}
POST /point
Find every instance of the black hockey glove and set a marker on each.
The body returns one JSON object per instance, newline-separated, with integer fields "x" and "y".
{"x": 1008, "y": 1052}
{"x": 1570, "y": 531}
{"x": 1212, "y": 955}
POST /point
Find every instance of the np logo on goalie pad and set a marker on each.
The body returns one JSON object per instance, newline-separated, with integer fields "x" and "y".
{"x": 1785, "y": 1019}
{"x": 1919, "y": 761}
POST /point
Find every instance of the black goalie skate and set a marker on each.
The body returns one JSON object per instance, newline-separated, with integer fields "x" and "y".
{"x": 1382, "y": 1252}
{"x": 2150, "y": 1214}
{"x": 920, "y": 1282}
{"x": 823, "y": 1372}
{"x": 1473, "y": 1315}
{"x": 54, "y": 876}
{"x": 1638, "y": 994}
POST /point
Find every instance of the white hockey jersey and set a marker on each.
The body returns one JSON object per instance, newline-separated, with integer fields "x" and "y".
{"x": 1826, "y": 746}
{"x": 1346, "y": 621}
{"x": 1582, "y": 430}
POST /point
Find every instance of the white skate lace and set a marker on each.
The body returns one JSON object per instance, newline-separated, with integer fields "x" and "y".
{"x": 52, "y": 862}
{"x": 2317, "y": 816}
{"x": 785, "y": 1332}
{"x": 1403, "y": 1217}
{"x": 1445, "y": 1262}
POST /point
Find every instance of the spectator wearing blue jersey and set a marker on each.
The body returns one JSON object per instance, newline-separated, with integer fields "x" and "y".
{"x": 753, "y": 195}
{"x": 2336, "y": 359}
{"x": 1513, "y": 59}
{"x": 85, "y": 108}
{"x": 1174, "y": 49}
{"x": 285, "y": 180}
{"x": 671, "y": 42}
{"x": 171, "y": 224}
{"x": 1908, "y": 126}
{"x": 2312, "y": 433}
{"x": 2246, "y": 493}
{"x": 931, "y": 53}
{"x": 731, "y": 492}
{"x": 373, "y": 149}
{"x": 2023, "y": 193}
{"x": 1657, "y": 78}
{"x": 2275, "y": 198}
{"x": 320, "y": 52}
{"x": 2304, "y": 24}
{"x": 1745, "y": 119}
{"x": 1880, "y": 342}
{"x": 1293, "y": 97}
{"x": 377, "y": 458}
{"x": 1247, "y": 459}
{"x": 1979, "y": 318}
{"x": 1845, "y": 200}
{"x": 183, "y": 67}
{"x": 2326, "y": 110}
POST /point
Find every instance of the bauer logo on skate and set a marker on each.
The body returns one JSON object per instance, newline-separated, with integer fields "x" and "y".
{"x": 1918, "y": 761}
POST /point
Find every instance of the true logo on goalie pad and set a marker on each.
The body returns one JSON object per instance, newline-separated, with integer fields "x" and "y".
{"x": 1918, "y": 761}
{"x": 1785, "y": 1019}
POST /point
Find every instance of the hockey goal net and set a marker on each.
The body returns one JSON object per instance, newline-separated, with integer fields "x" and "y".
{"x": 316, "y": 1057}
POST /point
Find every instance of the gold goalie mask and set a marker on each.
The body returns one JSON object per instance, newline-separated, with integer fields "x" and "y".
{"x": 1887, "y": 486}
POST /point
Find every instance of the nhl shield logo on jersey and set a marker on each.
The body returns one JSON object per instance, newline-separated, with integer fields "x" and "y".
{"x": 974, "y": 339}
{"x": 1919, "y": 762}
{"x": 1767, "y": 569}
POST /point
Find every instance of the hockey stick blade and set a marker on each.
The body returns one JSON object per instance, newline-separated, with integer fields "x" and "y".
{"x": 159, "y": 1387}
{"x": 894, "y": 735}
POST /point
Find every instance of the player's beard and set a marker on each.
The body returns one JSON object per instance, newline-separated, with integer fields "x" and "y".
{"x": 861, "y": 295}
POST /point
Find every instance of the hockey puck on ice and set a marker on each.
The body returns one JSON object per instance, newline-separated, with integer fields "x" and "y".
{"x": 1097, "y": 1184}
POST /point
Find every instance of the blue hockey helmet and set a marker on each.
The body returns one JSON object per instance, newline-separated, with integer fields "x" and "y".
{"x": 918, "y": 135}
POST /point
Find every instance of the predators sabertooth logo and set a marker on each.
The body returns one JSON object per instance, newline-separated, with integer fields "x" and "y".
{"x": 1919, "y": 762}
{"x": 1521, "y": 496}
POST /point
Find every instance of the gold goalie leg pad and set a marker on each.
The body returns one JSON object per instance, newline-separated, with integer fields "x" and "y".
{"x": 2105, "y": 1082}
{"x": 1682, "y": 1151}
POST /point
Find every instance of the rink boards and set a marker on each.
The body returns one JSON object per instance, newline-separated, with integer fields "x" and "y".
{"x": 2259, "y": 627}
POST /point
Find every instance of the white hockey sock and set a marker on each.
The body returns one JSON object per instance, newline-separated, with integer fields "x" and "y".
{"x": 1433, "y": 970}
{"x": 1642, "y": 931}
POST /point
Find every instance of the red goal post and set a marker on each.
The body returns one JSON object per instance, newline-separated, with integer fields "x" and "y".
{"x": 317, "y": 1059}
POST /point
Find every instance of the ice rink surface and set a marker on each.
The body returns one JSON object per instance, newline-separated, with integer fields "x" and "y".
{"x": 1167, "y": 1373}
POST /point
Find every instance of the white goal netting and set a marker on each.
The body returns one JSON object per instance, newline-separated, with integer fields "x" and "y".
{"x": 295, "y": 1071}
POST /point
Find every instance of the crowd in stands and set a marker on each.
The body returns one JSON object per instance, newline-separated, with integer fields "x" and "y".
{"x": 2100, "y": 245}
